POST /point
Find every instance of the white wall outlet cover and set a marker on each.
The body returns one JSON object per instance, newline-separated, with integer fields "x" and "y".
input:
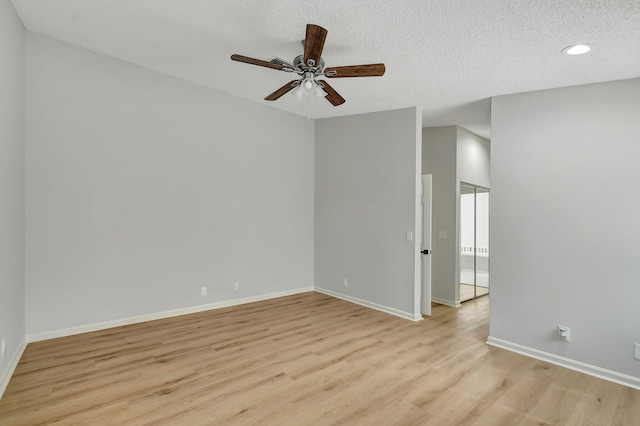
{"x": 345, "y": 282}
{"x": 236, "y": 286}
{"x": 409, "y": 235}
{"x": 203, "y": 291}
{"x": 636, "y": 350}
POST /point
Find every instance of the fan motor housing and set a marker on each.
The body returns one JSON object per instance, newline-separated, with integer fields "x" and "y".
{"x": 298, "y": 63}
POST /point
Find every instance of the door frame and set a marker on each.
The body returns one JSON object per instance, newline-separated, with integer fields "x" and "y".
{"x": 425, "y": 282}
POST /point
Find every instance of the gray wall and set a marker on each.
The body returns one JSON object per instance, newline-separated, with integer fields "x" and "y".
{"x": 565, "y": 222}
{"x": 473, "y": 158}
{"x": 366, "y": 187}
{"x": 12, "y": 140}
{"x": 142, "y": 188}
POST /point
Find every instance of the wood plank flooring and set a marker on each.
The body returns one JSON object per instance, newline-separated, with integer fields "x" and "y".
{"x": 308, "y": 359}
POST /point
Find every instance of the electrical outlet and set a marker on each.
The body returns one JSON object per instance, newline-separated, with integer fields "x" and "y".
{"x": 236, "y": 286}
{"x": 203, "y": 291}
{"x": 4, "y": 346}
{"x": 636, "y": 350}
{"x": 345, "y": 282}
{"x": 565, "y": 333}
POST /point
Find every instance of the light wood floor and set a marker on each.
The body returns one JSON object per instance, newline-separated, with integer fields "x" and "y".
{"x": 304, "y": 360}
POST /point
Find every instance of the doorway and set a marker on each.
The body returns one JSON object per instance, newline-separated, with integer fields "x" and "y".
{"x": 474, "y": 242}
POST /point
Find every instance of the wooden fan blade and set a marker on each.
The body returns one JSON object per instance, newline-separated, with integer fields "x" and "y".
{"x": 314, "y": 43}
{"x": 253, "y": 61}
{"x": 370, "y": 70}
{"x": 332, "y": 96}
{"x": 282, "y": 91}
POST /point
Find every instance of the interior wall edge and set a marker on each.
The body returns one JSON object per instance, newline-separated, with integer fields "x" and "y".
{"x": 5, "y": 377}
{"x": 581, "y": 367}
{"x": 446, "y": 302}
{"x": 386, "y": 309}
{"x": 417, "y": 256}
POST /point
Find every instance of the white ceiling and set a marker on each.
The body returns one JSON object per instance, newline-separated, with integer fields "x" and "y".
{"x": 446, "y": 56}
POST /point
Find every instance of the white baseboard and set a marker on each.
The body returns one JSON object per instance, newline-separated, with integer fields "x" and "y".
{"x": 372, "y": 305}
{"x": 445, "y": 302}
{"x": 6, "y": 375}
{"x": 53, "y": 334}
{"x": 591, "y": 370}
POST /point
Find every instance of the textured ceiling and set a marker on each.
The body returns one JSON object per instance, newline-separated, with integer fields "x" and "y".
{"x": 446, "y": 56}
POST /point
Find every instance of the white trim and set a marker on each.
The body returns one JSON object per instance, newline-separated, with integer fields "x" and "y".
{"x": 53, "y": 334}
{"x": 6, "y": 375}
{"x": 445, "y": 302}
{"x": 591, "y": 370}
{"x": 372, "y": 305}
{"x": 417, "y": 256}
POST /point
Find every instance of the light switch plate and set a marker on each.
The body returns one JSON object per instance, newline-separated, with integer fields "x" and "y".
{"x": 442, "y": 235}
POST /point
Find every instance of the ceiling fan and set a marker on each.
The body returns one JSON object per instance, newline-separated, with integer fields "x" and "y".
{"x": 309, "y": 66}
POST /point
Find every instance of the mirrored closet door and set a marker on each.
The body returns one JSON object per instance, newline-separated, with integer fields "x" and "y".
{"x": 474, "y": 241}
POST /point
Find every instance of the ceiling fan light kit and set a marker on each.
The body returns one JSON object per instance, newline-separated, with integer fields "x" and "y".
{"x": 310, "y": 65}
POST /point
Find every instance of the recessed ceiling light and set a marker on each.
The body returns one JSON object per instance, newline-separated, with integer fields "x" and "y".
{"x": 576, "y": 49}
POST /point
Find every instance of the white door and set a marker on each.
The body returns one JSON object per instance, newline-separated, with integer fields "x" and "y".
{"x": 426, "y": 245}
